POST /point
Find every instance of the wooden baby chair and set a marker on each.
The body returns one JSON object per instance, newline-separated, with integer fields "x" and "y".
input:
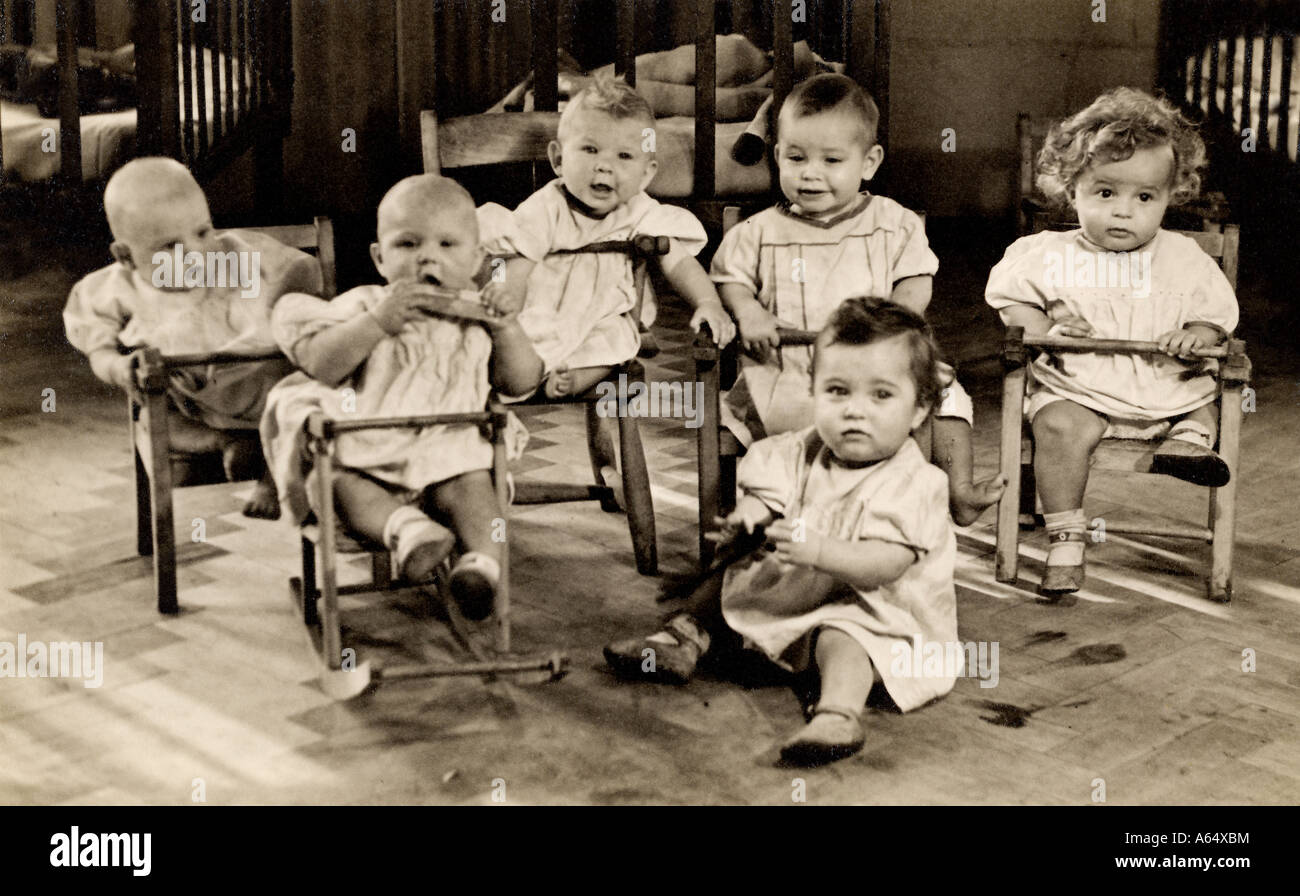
{"x": 717, "y": 448}
{"x": 155, "y": 480}
{"x": 343, "y": 677}
{"x": 1017, "y": 506}
{"x": 513, "y": 137}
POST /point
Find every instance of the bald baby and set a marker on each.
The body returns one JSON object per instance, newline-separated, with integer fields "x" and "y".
{"x": 181, "y": 287}
{"x": 428, "y": 231}
{"x": 153, "y": 204}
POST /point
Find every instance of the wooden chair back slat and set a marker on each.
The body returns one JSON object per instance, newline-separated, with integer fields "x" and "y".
{"x": 316, "y": 239}
{"x": 486, "y": 139}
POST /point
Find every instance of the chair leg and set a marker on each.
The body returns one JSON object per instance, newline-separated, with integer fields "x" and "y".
{"x": 143, "y": 509}
{"x": 708, "y": 450}
{"x": 636, "y": 492}
{"x": 310, "y": 593}
{"x": 1008, "y": 537}
{"x": 331, "y": 627}
{"x": 1223, "y": 501}
{"x": 501, "y": 610}
{"x": 600, "y": 451}
{"x": 1219, "y": 586}
{"x": 726, "y": 484}
{"x": 160, "y": 500}
{"x": 710, "y": 506}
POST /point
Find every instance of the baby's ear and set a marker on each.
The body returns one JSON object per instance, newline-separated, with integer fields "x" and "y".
{"x": 553, "y": 154}
{"x": 918, "y": 416}
{"x": 121, "y": 254}
{"x": 376, "y": 254}
{"x": 872, "y": 161}
{"x": 651, "y": 168}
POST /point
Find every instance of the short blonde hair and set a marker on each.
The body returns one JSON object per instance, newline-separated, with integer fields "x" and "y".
{"x": 613, "y": 98}
{"x": 1111, "y": 129}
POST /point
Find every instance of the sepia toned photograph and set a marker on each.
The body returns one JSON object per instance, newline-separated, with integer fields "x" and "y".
{"x": 469, "y": 403}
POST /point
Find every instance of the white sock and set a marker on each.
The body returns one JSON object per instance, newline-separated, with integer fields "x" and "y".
{"x": 1192, "y": 431}
{"x": 487, "y": 564}
{"x": 406, "y": 529}
{"x": 1065, "y": 553}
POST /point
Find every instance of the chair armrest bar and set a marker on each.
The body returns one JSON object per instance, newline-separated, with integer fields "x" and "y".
{"x": 151, "y": 371}
{"x": 329, "y": 427}
{"x": 796, "y": 337}
{"x": 1013, "y": 349}
{"x": 1070, "y": 344}
{"x": 1236, "y": 368}
{"x": 172, "y": 362}
{"x": 641, "y": 246}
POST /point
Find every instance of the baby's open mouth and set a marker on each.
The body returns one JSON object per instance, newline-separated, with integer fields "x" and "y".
{"x": 602, "y": 189}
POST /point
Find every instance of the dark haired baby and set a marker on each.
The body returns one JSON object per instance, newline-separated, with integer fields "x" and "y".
{"x": 862, "y": 566}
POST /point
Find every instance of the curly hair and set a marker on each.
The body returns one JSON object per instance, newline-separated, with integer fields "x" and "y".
{"x": 1111, "y": 129}
{"x": 613, "y": 98}
{"x": 862, "y": 321}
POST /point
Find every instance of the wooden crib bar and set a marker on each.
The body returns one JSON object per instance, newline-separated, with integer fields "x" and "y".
{"x": 211, "y": 81}
{"x": 706, "y": 66}
{"x": 859, "y": 45}
{"x": 67, "y": 22}
{"x": 1210, "y": 54}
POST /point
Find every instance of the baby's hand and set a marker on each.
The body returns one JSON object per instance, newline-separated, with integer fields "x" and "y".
{"x": 402, "y": 304}
{"x": 758, "y": 331}
{"x": 122, "y": 374}
{"x": 504, "y": 299}
{"x": 802, "y": 551}
{"x": 1180, "y": 343}
{"x": 1070, "y": 325}
{"x": 719, "y": 322}
{"x": 730, "y": 528}
{"x": 496, "y": 322}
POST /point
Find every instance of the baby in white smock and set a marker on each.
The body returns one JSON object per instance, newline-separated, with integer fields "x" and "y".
{"x": 378, "y": 351}
{"x": 862, "y": 571}
{"x": 1120, "y": 163}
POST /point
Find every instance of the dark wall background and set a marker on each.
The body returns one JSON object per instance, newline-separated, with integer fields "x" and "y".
{"x": 969, "y": 65}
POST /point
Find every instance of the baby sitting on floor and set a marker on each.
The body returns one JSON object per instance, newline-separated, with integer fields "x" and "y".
{"x": 862, "y": 568}
{"x": 156, "y": 295}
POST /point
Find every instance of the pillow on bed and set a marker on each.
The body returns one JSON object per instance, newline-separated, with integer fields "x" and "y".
{"x": 105, "y": 79}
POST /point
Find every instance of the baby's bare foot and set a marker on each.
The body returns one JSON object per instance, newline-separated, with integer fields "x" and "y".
{"x": 613, "y": 480}
{"x": 264, "y": 503}
{"x": 967, "y": 502}
{"x": 559, "y": 383}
